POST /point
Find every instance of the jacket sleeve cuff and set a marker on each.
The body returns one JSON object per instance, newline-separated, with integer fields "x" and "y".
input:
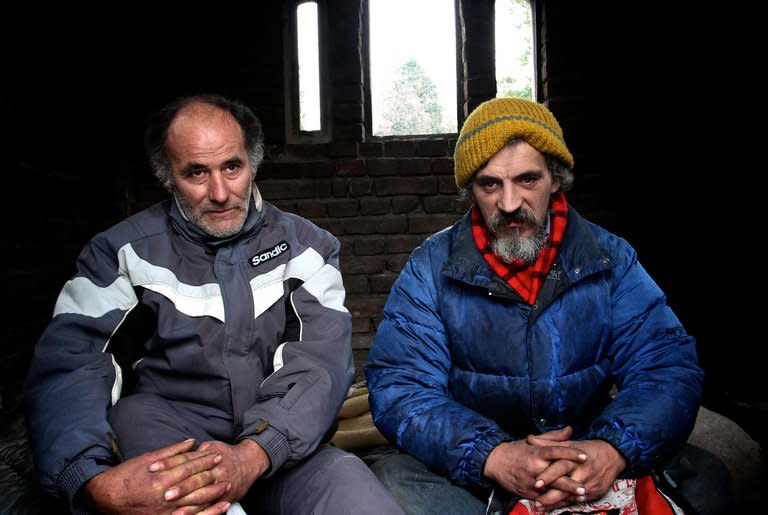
{"x": 72, "y": 480}
{"x": 636, "y": 462}
{"x": 275, "y": 444}
{"x": 477, "y": 455}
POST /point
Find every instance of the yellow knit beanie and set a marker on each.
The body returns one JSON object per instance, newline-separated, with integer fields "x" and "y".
{"x": 494, "y": 122}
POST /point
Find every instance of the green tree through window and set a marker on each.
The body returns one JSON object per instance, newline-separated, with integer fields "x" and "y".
{"x": 412, "y": 67}
{"x": 412, "y": 105}
{"x": 412, "y": 63}
{"x": 514, "y": 49}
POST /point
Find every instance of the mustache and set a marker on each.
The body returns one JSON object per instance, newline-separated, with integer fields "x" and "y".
{"x": 519, "y": 216}
{"x": 212, "y": 206}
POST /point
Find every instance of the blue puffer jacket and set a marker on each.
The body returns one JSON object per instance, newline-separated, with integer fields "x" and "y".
{"x": 460, "y": 364}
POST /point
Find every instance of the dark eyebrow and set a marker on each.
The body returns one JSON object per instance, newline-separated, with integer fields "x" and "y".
{"x": 194, "y": 167}
{"x": 236, "y": 161}
{"x": 531, "y": 174}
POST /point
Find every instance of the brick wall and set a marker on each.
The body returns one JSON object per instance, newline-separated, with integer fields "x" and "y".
{"x": 380, "y": 199}
{"x": 632, "y": 95}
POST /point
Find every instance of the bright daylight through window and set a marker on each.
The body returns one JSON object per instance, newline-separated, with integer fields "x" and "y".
{"x": 412, "y": 63}
{"x": 514, "y": 49}
{"x": 309, "y": 66}
{"x": 412, "y": 47}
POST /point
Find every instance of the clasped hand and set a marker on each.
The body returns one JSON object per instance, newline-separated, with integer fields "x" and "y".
{"x": 553, "y": 470}
{"x": 179, "y": 480}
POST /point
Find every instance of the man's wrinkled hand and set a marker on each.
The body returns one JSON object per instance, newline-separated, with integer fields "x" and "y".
{"x": 172, "y": 480}
{"x": 596, "y": 474}
{"x": 516, "y": 466}
{"x": 241, "y": 465}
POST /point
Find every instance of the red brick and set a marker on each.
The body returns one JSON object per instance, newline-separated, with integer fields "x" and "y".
{"x": 371, "y": 149}
{"x": 403, "y": 244}
{"x": 362, "y": 342}
{"x": 335, "y": 227}
{"x": 380, "y": 167}
{"x": 442, "y": 166}
{"x": 294, "y": 189}
{"x": 349, "y": 131}
{"x": 342, "y": 149}
{"x": 430, "y": 148}
{"x": 317, "y": 169}
{"x": 414, "y": 166}
{"x": 374, "y": 206}
{"x": 442, "y": 204}
{"x": 355, "y": 283}
{"x": 361, "y": 324}
{"x": 312, "y": 208}
{"x": 406, "y": 185}
{"x": 303, "y": 151}
{"x": 447, "y": 184}
{"x": 348, "y": 112}
{"x": 381, "y": 283}
{"x": 362, "y": 265}
{"x": 430, "y": 223}
{"x": 342, "y": 207}
{"x": 270, "y": 170}
{"x": 399, "y": 148}
{"x": 347, "y": 246}
{"x": 344, "y": 91}
{"x": 396, "y": 262}
{"x": 369, "y": 246}
{"x": 286, "y": 205}
{"x": 405, "y": 204}
{"x": 273, "y": 151}
{"x": 339, "y": 187}
{"x": 359, "y": 187}
{"x": 377, "y": 225}
{"x": 351, "y": 167}
{"x": 371, "y": 304}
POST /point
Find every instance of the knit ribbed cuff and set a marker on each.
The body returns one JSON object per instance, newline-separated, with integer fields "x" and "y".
{"x": 275, "y": 444}
{"x": 73, "y": 478}
{"x": 475, "y": 458}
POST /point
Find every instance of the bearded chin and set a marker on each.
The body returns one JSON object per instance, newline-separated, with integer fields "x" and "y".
{"x": 513, "y": 248}
{"x": 196, "y": 218}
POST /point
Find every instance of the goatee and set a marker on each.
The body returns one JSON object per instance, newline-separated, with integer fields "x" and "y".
{"x": 508, "y": 244}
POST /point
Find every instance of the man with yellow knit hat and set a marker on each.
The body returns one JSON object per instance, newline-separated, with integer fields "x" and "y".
{"x": 526, "y": 361}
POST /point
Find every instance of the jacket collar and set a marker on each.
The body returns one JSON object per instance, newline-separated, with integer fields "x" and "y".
{"x": 582, "y": 255}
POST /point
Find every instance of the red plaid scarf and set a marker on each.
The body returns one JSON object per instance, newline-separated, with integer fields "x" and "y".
{"x": 525, "y": 279}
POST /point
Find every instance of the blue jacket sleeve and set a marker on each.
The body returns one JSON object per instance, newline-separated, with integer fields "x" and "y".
{"x": 656, "y": 372}
{"x": 407, "y": 374}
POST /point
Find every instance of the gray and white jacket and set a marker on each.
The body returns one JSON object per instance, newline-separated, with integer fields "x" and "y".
{"x": 251, "y": 330}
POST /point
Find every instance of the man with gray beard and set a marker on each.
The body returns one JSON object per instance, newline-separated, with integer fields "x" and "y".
{"x": 526, "y": 362}
{"x": 508, "y": 244}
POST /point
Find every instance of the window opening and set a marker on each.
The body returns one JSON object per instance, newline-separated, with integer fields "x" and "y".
{"x": 412, "y": 66}
{"x": 514, "y": 49}
{"x": 309, "y": 66}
